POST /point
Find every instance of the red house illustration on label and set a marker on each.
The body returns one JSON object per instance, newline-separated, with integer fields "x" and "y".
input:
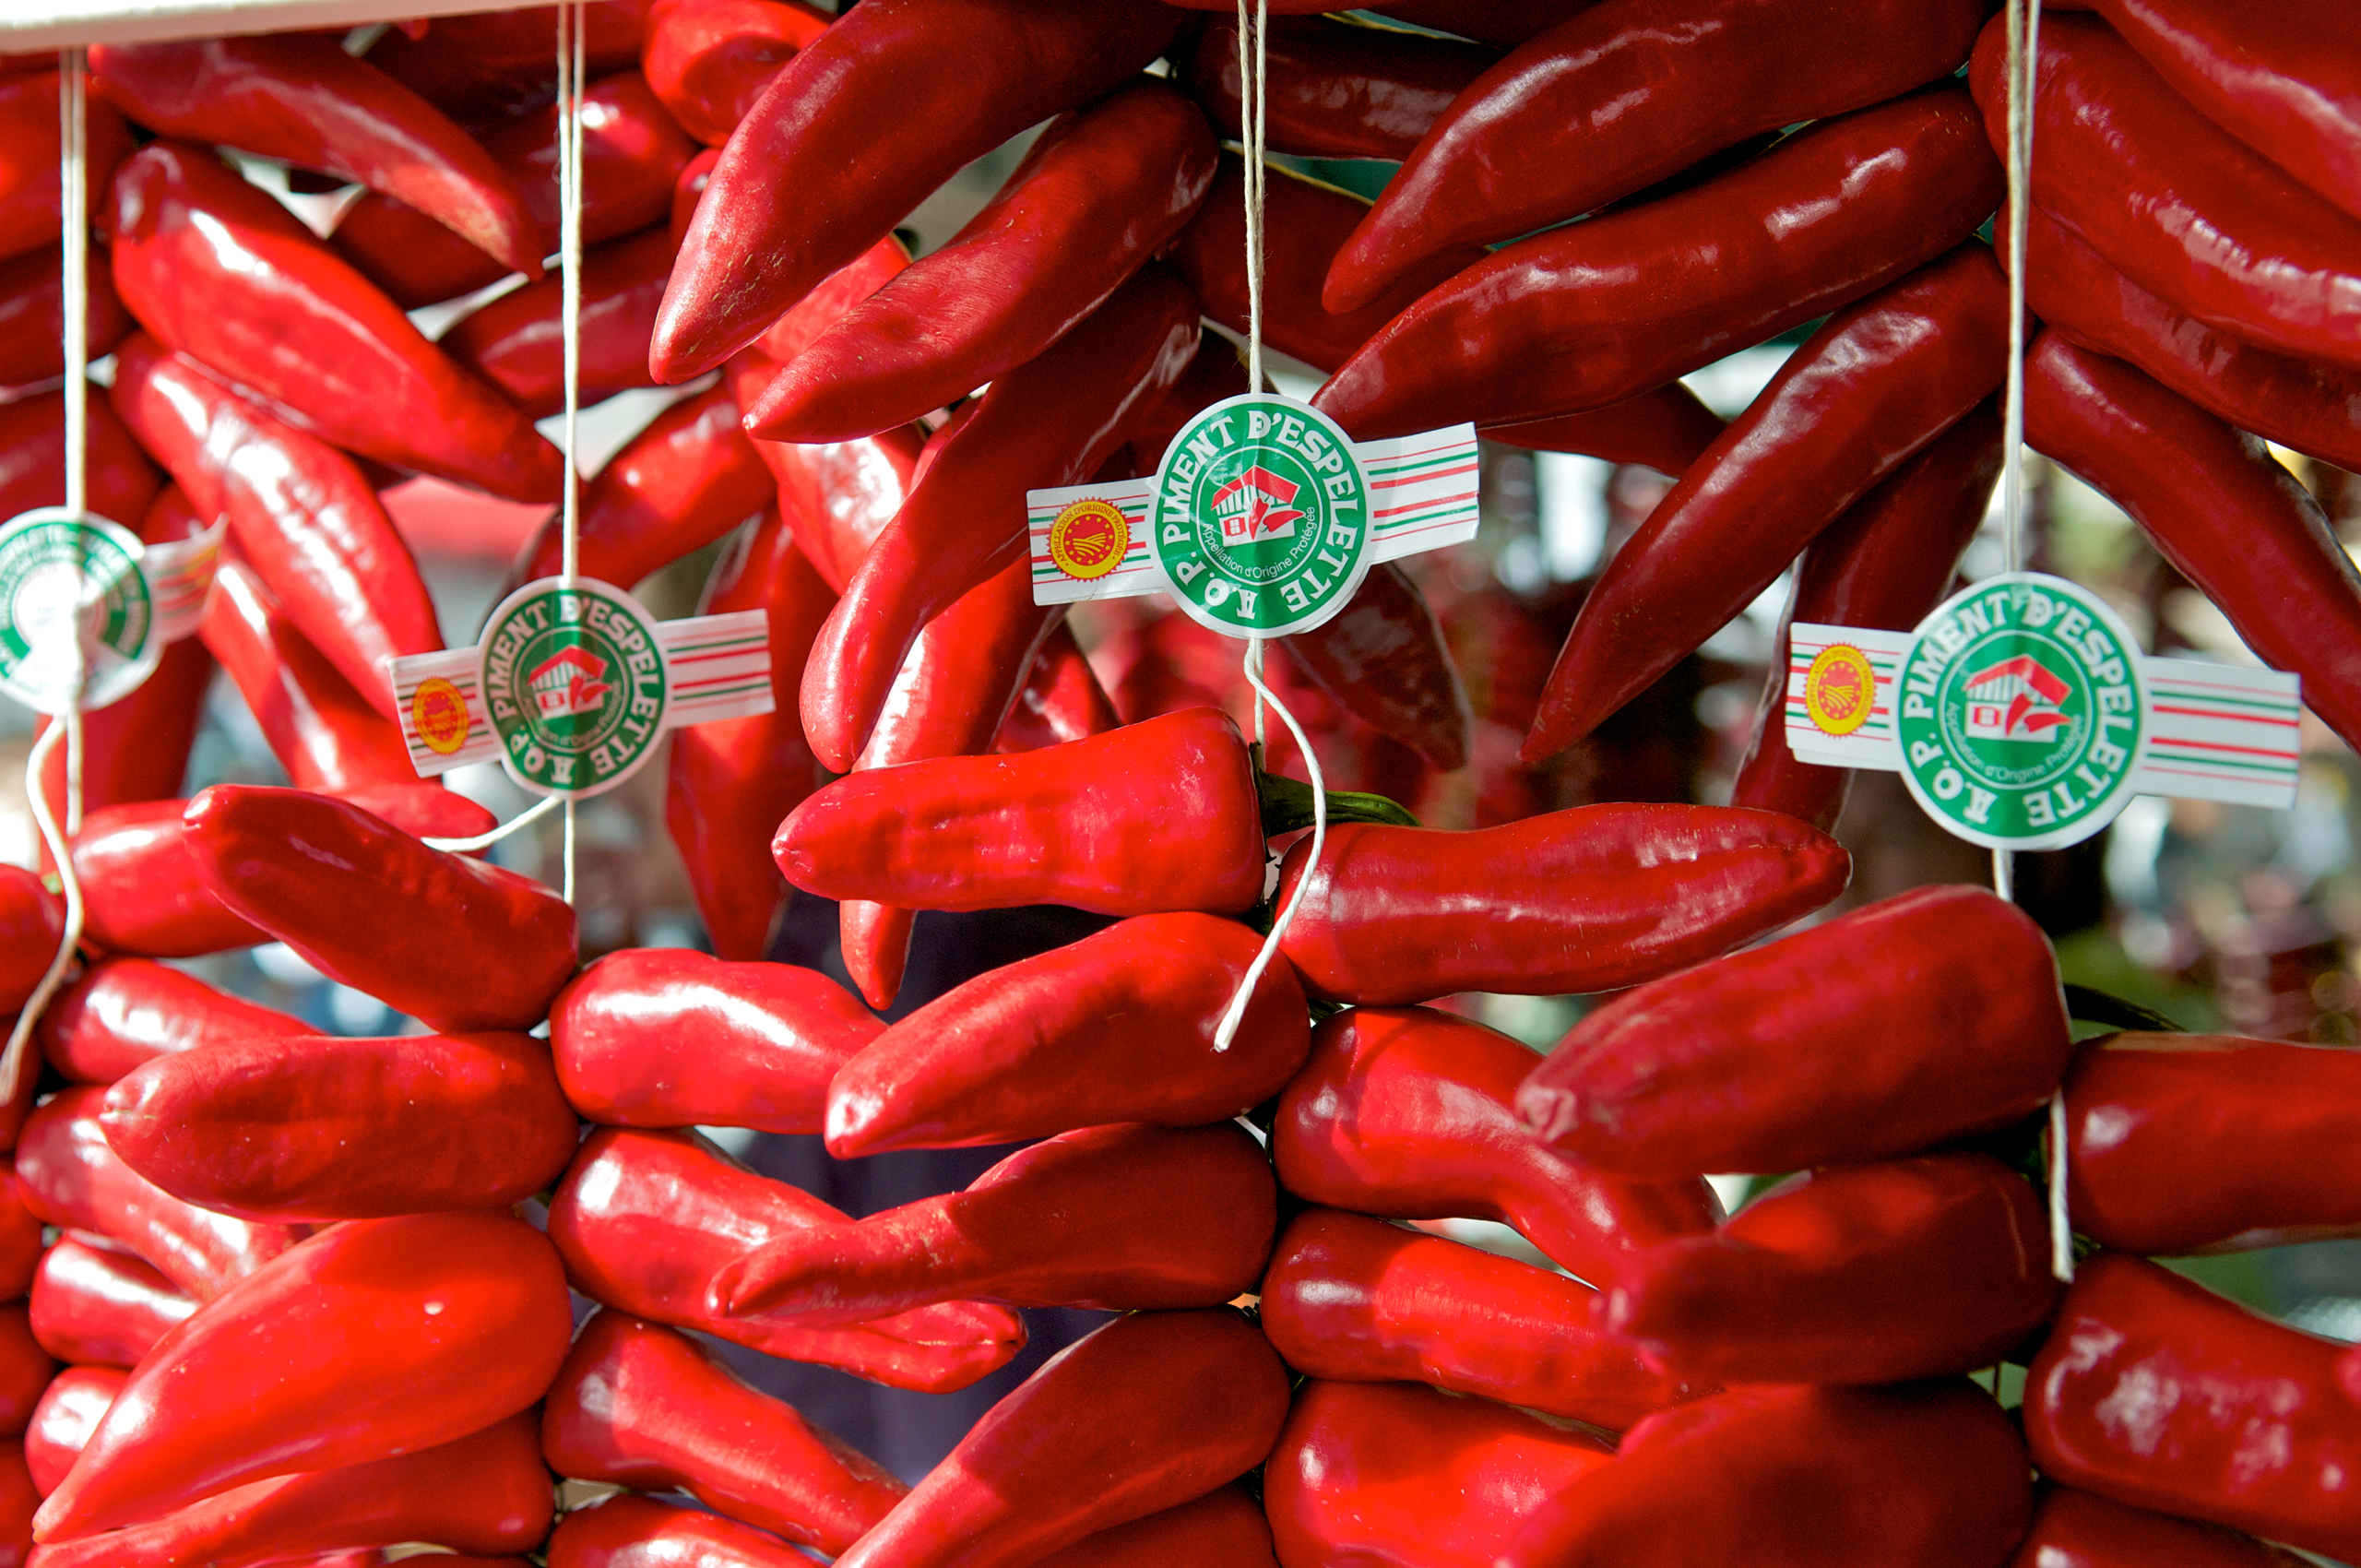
{"x": 1256, "y": 504}
{"x": 2015, "y": 700}
{"x": 566, "y": 684}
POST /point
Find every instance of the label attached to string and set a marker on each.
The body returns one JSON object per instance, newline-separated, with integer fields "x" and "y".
{"x": 572, "y": 685}
{"x": 1262, "y": 519}
{"x": 69, "y": 578}
{"x": 2023, "y": 716}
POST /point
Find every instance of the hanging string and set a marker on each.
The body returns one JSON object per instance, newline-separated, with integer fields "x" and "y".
{"x": 2061, "y": 1227}
{"x": 1235, "y": 1014}
{"x": 523, "y": 819}
{"x": 572, "y": 29}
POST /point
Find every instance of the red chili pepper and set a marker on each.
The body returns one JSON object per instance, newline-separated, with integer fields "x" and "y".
{"x": 484, "y": 1493}
{"x": 33, "y": 315}
{"x": 670, "y": 1038}
{"x": 516, "y": 342}
{"x": 1305, "y": 221}
{"x": 124, "y": 1012}
{"x": 1593, "y": 899}
{"x": 2155, "y": 1391}
{"x": 1050, "y": 422}
{"x": 301, "y": 98}
{"x": 1623, "y": 96}
{"x": 498, "y": 64}
{"x": 31, "y": 209}
{"x": 121, "y": 481}
{"x": 2215, "y": 228}
{"x": 25, "y": 1369}
{"x": 802, "y": 322}
{"x": 1665, "y": 430}
{"x": 141, "y": 889}
{"x": 1586, "y": 317}
{"x": 731, "y": 781}
{"x": 453, "y": 942}
{"x": 372, "y": 1338}
{"x": 70, "y": 1177}
{"x": 1385, "y": 660}
{"x": 628, "y": 1530}
{"x": 1225, "y": 1529}
{"x": 831, "y": 156}
{"x": 1394, "y": 1473}
{"x": 1025, "y": 1050}
{"x": 688, "y": 190}
{"x": 1500, "y": 23}
{"x": 1118, "y": 1218}
{"x": 1337, "y": 91}
{"x": 643, "y": 1220}
{"x": 1061, "y": 699}
{"x": 304, "y": 517}
{"x": 214, "y": 267}
{"x": 836, "y": 496}
{"x": 17, "y": 1502}
{"x": 1886, "y": 561}
{"x": 1156, "y": 817}
{"x": 2217, "y": 505}
{"x": 31, "y": 921}
{"x": 1906, "y": 1023}
{"x": 647, "y": 1407}
{"x": 90, "y": 1306}
{"x": 1355, "y": 1299}
{"x": 1406, "y": 1113}
{"x": 709, "y": 62}
{"x": 2310, "y": 405}
{"x": 274, "y": 1128}
{"x": 321, "y": 730}
{"x": 1929, "y": 1473}
{"x": 1874, "y": 387}
{"x": 21, "y": 1239}
{"x": 1149, "y": 1411}
{"x": 2081, "y": 1529}
{"x": 69, "y": 1411}
{"x": 1098, "y": 195}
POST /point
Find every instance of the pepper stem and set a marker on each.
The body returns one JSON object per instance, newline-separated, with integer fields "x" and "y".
{"x": 2093, "y": 1006}
{"x": 1286, "y": 804}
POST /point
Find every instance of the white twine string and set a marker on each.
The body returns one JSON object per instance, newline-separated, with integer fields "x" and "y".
{"x": 523, "y": 819}
{"x": 1235, "y": 1014}
{"x": 572, "y": 29}
{"x": 2062, "y": 1227}
{"x": 1252, "y": 82}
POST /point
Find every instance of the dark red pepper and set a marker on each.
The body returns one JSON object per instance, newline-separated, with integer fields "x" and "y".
{"x": 33, "y": 315}
{"x": 124, "y": 1012}
{"x": 2082, "y": 1529}
{"x": 1333, "y": 90}
{"x": 31, "y": 921}
{"x": 1385, "y": 660}
{"x": 31, "y": 209}
{"x": 709, "y": 60}
{"x": 517, "y": 344}
{"x": 25, "y": 1369}
{"x": 119, "y": 481}
{"x": 93, "y": 1307}
{"x": 1665, "y": 430}
{"x": 492, "y": 66}
{"x": 21, "y": 1240}
{"x": 1225, "y": 1529}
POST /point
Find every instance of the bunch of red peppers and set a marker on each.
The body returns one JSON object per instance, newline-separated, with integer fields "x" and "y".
{"x": 281, "y": 1297}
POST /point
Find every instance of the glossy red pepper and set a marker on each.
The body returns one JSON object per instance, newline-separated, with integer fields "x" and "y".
{"x": 1028, "y": 1050}
{"x": 1406, "y": 1113}
{"x": 730, "y": 782}
{"x": 670, "y": 1037}
{"x": 1593, "y": 899}
{"x": 689, "y": 189}
{"x": 1098, "y": 195}
{"x": 1225, "y": 1529}
{"x": 1928, "y": 1474}
{"x": 1333, "y": 90}
{"x": 453, "y": 942}
{"x": 2153, "y": 1391}
{"x": 1355, "y": 1299}
{"x": 1908, "y": 1022}
{"x": 647, "y": 1407}
{"x": 70, "y": 1177}
{"x": 21, "y": 1239}
{"x": 1622, "y": 95}
{"x": 300, "y": 98}
{"x": 516, "y": 342}
{"x": 1385, "y": 660}
{"x": 1305, "y": 221}
{"x": 33, "y": 315}
{"x": 1061, "y": 699}
{"x": 2215, "y": 228}
{"x": 93, "y": 1307}
{"x": 709, "y": 62}
{"x": 1886, "y": 561}
{"x": 123, "y": 1012}
{"x": 643, "y": 1220}
{"x": 629, "y": 1530}
{"x": 2081, "y": 1529}
{"x": 141, "y": 889}
{"x": 1156, "y": 817}
{"x": 799, "y": 326}
{"x": 484, "y": 1493}
{"x": 214, "y": 267}
{"x": 1665, "y": 430}
{"x": 2217, "y": 505}
{"x": 304, "y": 514}
{"x": 372, "y": 1338}
{"x": 1876, "y": 384}
{"x": 120, "y": 482}
{"x": 31, "y": 921}
{"x": 1149, "y": 1411}
{"x": 323, "y": 731}
{"x": 69, "y": 1411}
{"x": 328, "y": 1128}
{"x": 25, "y": 1369}
{"x": 1050, "y": 421}
{"x": 832, "y": 156}
{"x": 1118, "y": 1218}
{"x": 1392, "y": 1475}
{"x": 31, "y": 209}
{"x": 1586, "y": 317}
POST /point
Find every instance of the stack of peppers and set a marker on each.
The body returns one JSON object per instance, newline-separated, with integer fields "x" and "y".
{"x": 301, "y": 1312}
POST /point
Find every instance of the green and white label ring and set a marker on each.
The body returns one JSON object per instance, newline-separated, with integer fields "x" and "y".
{"x": 86, "y": 609}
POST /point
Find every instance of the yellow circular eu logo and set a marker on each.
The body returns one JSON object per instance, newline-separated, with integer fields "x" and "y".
{"x": 1839, "y": 689}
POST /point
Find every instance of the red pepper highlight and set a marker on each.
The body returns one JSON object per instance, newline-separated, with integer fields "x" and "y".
{"x": 1665, "y": 430}
{"x": 1913, "y": 1020}
{"x": 142, "y": 891}
{"x": 123, "y": 1012}
{"x": 33, "y": 315}
{"x": 709, "y": 62}
{"x": 371, "y": 1339}
{"x": 643, "y": 1220}
{"x": 93, "y": 1307}
{"x": 670, "y": 1038}
{"x": 1149, "y": 1411}
{"x": 68, "y": 1412}
{"x": 647, "y": 1407}
{"x": 1333, "y": 90}
{"x": 1405, "y": 1113}
{"x": 323, "y": 731}
{"x": 1061, "y": 699}
{"x": 2081, "y": 1529}
{"x": 1355, "y": 1299}
{"x": 1028, "y": 1050}
{"x": 517, "y": 344}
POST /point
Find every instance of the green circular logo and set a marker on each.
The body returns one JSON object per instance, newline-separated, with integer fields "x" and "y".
{"x": 76, "y": 619}
{"x": 1261, "y": 517}
{"x": 576, "y": 683}
{"x": 2021, "y": 713}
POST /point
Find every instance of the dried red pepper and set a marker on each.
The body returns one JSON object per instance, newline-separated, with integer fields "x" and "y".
{"x": 710, "y": 61}
{"x": 93, "y": 1307}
